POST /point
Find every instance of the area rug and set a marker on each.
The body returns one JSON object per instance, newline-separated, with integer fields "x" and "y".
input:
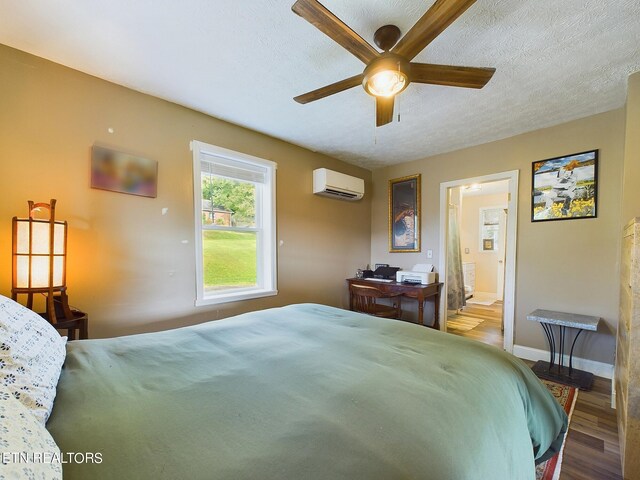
{"x": 566, "y": 396}
{"x": 482, "y": 298}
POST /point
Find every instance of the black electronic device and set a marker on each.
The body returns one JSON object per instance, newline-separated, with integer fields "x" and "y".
{"x": 386, "y": 273}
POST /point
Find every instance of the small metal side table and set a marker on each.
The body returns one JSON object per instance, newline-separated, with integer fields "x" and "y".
{"x": 558, "y": 371}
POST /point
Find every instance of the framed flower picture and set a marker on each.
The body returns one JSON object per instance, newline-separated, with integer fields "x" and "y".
{"x": 565, "y": 188}
{"x": 404, "y": 214}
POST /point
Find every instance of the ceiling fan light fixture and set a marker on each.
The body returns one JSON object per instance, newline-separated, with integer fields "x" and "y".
{"x": 386, "y": 76}
{"x": 386, "y": 83}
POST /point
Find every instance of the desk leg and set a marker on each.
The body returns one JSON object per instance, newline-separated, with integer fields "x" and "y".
{"x": 421, "y": 311}
{"x": 436, "y": 311}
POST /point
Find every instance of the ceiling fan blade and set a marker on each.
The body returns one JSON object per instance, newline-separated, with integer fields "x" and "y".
{"x": 384, "y": 110}
{"x": 467, "y": 77}
{"x": 325, "y": 21}
{"x": 441, "y": 14}
{"x": 337, "y": 87}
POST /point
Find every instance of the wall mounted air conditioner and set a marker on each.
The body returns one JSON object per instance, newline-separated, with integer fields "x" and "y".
{"x": 337, "y": 185}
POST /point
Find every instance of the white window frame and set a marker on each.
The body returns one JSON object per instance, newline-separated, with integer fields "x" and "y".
{"x": 265, "y": 228}
{"x": 496, "y": 245}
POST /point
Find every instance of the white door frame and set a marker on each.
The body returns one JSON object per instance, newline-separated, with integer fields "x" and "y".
{"x": 510, "y": 260}
{"x": 503, "y": 247}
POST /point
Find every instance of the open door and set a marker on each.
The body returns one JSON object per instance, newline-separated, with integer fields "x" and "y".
{"x": 502, "y": 247}
{"x": 505, "y": 237}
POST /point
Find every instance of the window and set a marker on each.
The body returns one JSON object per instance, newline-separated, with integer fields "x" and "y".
{"x": 490, "y": 229}
{"x": 235, "y": 217}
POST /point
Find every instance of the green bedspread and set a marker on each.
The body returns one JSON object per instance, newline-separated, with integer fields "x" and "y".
{"x": 302, "y": 392}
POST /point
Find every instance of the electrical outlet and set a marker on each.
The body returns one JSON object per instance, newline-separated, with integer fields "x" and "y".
{"x": 429, "y": 253}
{"x": 466, "y": 250}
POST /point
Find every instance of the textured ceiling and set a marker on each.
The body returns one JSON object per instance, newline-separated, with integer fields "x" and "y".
{"x": 243, "y": 61}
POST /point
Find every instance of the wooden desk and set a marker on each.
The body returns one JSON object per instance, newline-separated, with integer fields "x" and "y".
{"x": 417, "y": 292}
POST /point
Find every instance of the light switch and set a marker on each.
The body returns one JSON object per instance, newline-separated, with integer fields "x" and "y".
{"x": 429, "y": 253}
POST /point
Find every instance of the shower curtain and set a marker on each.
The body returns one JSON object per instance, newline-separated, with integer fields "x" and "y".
{"x": 455, "y": 280}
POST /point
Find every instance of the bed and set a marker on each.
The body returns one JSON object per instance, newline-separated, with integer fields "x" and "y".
{"x": 302, "y": 392}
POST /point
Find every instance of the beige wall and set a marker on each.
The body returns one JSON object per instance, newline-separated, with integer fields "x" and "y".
{"x": 631, "y": 192}
{"x": 565, "y": 265}
{"x": 131, "y": 268}
{"x": 486, "y": 262}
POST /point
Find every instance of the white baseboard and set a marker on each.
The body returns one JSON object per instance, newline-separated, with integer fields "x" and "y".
{"x": 599, "y": 369}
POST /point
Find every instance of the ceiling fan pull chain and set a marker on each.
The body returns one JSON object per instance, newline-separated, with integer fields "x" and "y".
{"x": 398, "y": 97}
{"x": 375, "y": 133}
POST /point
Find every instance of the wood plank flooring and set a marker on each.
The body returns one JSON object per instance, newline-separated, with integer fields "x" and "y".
{"x": 488, "y": 331}
{"x": 592, "y": 451}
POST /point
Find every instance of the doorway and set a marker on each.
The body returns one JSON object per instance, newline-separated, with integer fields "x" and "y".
{"x": 478, "y": 239}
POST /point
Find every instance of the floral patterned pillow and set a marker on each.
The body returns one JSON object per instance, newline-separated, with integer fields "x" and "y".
{"x": 31, "y": 356}
{"x": 26, "y": 447}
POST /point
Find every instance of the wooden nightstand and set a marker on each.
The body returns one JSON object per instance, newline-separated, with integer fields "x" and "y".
{"x": 79, "y": 320}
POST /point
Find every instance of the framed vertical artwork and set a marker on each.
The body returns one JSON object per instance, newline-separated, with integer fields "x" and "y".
{"x": 488, "y": 245}
{"x": 124, "y": 173}
{"x": 565, "y": 188}
{"x": 404, "y": 214}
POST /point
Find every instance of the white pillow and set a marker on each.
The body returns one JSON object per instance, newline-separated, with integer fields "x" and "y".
{"x": 26, "y": 447}
{"x": 31, "y": 356}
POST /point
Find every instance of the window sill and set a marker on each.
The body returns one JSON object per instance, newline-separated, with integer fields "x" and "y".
{"x": 234, "y": 297}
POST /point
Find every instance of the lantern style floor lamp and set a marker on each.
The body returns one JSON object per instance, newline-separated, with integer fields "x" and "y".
{"x": 40, "y": 267}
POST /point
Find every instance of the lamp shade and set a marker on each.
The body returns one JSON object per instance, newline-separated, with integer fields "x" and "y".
{"x": 39, "y": 252}
{"x": 386, "y": 76}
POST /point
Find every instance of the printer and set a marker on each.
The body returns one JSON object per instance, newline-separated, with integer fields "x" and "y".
{"x": 421, "y": 273}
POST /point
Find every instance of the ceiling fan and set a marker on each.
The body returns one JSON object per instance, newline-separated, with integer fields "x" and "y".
{"x": 387, "y": 74}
